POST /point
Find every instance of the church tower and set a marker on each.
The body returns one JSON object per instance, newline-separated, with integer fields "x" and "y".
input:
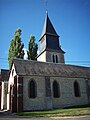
{"x": 50, "y": 51}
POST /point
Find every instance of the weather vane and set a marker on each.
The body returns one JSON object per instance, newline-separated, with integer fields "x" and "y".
{"x": 46, "y": 5}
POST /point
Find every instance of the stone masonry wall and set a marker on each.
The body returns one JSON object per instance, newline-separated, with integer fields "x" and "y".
{"x": 88, "y": 89}
{"x": 66, "y": 98}
{"x": 37, "y": 103}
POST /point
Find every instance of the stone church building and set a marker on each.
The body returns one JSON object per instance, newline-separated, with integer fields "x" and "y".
{"x": 47, "y": 83}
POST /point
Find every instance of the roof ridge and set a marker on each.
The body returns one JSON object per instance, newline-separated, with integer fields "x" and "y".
{"x": 34, "y": 61}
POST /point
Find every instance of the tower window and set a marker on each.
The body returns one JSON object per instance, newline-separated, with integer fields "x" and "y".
{"x": 32, "y": 89}
{"x": 55, "y": 58}
{"x": 76, "y": 89}
{"x": 56, "y": 93}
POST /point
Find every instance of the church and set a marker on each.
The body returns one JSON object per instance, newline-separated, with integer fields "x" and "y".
{"x": 47, "y": 83}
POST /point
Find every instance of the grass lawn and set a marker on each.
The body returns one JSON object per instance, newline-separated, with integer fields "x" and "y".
{"x": 58, "y": 112}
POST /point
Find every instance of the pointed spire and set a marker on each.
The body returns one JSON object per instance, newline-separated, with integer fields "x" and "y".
{"x": 48, "y": 27}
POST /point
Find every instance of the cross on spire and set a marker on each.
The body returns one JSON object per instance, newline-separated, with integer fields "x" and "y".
{"x": 46, "y": 1}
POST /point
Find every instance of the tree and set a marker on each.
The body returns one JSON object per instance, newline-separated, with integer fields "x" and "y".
{"x": 16, "y": 47}
{"x": 32, "y": 49}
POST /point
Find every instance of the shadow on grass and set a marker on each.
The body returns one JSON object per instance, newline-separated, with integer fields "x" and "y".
{"x": 70, "y": 111}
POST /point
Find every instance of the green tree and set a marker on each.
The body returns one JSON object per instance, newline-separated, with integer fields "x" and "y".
{"x": 32, "y": 49}
{"x": 16, "y": 47}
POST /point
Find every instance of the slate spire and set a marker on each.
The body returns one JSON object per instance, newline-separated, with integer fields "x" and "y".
{"x": 49, "y": 38}
{"x": 48, "y": 27}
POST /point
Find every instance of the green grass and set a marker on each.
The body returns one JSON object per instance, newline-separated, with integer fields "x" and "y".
{"x": 58, "y": 112}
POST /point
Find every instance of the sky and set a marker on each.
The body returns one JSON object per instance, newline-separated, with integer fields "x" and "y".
{"x": 70, "y": 18}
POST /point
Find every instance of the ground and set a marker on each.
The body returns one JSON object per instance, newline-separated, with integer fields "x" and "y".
{"x": 11, "y": 116}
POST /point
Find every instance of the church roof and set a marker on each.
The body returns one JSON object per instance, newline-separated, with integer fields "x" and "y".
{"x": 4, "y": 75}
{"x": 48, "y": 27}
{"x": 29, "y": 68}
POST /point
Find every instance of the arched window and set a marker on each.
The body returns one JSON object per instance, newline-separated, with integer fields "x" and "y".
{"x": 56, "y": 92}
{"x": 53, "y": 58}
{"x": 76, "y": 89}
{"x": 32, "y": 89}
{"x": 56, "y": 59}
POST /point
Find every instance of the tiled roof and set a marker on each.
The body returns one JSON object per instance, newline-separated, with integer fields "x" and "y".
{"x": 27, "y": 67}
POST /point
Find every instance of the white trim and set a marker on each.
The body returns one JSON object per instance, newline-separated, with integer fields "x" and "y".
{"x": 8, "y": 101}
{"x": 2, "y": 96}
{"x": 19, "y": 84}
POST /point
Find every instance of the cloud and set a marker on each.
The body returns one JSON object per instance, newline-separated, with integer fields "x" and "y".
{"x": 25, "y": 55}
{"x": 38, "y": 52}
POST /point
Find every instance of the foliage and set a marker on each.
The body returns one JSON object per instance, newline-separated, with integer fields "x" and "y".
{"x": 32, "y": 49}
{"x": 16, "y": 47}
{"x": 58, "y": 112}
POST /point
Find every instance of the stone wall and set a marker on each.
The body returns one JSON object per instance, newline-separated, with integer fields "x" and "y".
{"x": 88, "y": 89}
{"x": 67, "y": 97}
{"x": 42, "y": 57}
{"x": 37, "y": 103}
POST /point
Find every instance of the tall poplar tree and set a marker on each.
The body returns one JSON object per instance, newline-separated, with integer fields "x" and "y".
{"x": 32, "y": 49}
{"x": 16, "y": 47}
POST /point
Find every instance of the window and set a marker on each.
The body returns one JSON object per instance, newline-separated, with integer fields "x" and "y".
{"x": 55, "y": 58}
{"x": 56, "y": 92}
{"x": 76, "y": 89}
{"x": 32, "y": 89}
